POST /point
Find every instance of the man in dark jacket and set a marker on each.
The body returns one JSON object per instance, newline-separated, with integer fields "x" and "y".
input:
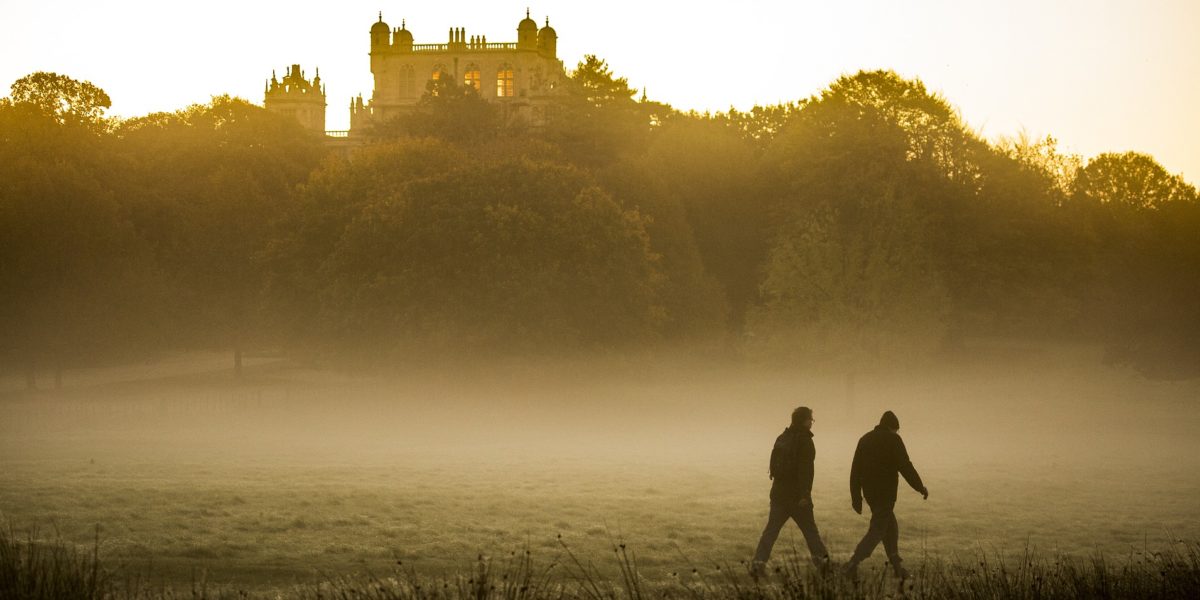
{"x": 791, "y": 490}
{"x": 879, "y": 457}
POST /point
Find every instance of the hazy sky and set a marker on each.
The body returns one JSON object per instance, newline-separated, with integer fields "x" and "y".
{"x": 1098, "y": 75}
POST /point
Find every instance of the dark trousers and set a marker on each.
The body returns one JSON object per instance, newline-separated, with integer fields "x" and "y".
{"x": 803, "y": 516}
{"x": 883, "y": 528}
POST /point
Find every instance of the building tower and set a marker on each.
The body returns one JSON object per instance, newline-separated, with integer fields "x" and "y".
{"x": 527, "y": 32}
{"x": 547, "y": 40}
{"x": 297, "y": 97}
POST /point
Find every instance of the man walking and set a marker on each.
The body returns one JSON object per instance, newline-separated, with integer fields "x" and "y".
{"x": 791, "y": 491}
{"x": 879, "y": 457}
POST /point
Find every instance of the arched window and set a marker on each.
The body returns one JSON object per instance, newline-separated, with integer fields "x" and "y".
{"x": 471, "y": 76}
{"x": 504, "y": 81}
{"x": 408, "y": 82}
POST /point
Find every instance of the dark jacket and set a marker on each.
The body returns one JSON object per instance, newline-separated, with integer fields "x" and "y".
{"x": 879, "y": 457}
{"x": 794, "y": 484}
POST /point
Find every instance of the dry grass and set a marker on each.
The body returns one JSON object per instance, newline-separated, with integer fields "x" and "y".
{"x": 30, "y": 569}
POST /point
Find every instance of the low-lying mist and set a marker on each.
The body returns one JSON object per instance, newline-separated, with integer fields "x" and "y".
{"x": 253, "y": 477}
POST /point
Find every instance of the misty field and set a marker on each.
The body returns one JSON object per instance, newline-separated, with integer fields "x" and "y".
{"x": 294, "y": 475}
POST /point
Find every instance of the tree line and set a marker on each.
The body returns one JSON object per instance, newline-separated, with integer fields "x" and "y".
{"x": 867, "y": 223}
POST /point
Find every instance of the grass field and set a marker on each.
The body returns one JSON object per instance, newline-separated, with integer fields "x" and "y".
{"x": 295, "y": 476}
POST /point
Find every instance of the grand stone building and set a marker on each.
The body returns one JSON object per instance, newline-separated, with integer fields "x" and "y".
{"x": 522, "y": 77}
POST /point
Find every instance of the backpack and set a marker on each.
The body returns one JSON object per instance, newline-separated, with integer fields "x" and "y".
{"x": 784, "y": 459}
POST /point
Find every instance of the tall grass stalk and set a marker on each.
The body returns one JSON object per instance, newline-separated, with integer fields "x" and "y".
{"x": 37, "y": 569}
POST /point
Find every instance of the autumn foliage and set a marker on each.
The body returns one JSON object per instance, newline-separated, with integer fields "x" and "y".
{"x": 862, "y": 225}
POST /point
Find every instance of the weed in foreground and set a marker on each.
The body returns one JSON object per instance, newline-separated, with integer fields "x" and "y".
{"x": 30, "y": 568}
{"x": 39, "y": 569}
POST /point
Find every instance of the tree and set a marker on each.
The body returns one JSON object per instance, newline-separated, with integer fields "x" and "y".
{"x": 716, "y": 176}
{"x": 993, "y": 218}
{"x": 597, "y": 121}
{"x": 694, "y": 306}
{"x": 1043, "y": 157}
{"x": 76, "y": 282}
{"x": 214, "y": 178}
{"x": 1130, "y": 180}
{"x": 760, "y": 124}
{"x": 595, "y": 84}
{"x": 850, "y": 277}
{"x": 511, "y": 255}
{"x": 933, "y": 131}
{"x": 64, "y": 98}
{"x": 312, "y": 225}
{"x": 1013, "y": 256}
{"x": 1144, "y": 224}
{"x": 449, "y": 111}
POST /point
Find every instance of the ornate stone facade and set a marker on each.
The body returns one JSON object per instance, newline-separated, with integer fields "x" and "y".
{"x": 522, "y": 76}
{"x": 297, "y": 97}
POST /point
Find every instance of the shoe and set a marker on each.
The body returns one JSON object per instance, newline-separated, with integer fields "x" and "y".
{"x": 901, "y": 572}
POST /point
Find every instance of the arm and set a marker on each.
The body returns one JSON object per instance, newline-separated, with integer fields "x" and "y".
{"x": 856, "y": 479}
{"x": 909, "y": 471}
{"x": 808, "y": 453}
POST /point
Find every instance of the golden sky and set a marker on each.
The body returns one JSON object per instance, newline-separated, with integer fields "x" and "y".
{"x": 1098, "y": 75}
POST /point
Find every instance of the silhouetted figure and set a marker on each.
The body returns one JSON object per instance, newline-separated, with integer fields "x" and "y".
{"x": 791, "y": 490}
{"x": 879, "y": 457}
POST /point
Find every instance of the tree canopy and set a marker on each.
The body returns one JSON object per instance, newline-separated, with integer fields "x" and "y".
{"x": 1131, "y": 180}
{"x": 866, "y": 224}
{"x": 63, "y": 98}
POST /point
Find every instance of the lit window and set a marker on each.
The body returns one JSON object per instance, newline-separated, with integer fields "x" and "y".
{"x": 471, "y": 77}
{"x": 439, "y": 72}
{"x": 504, "y": 81}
